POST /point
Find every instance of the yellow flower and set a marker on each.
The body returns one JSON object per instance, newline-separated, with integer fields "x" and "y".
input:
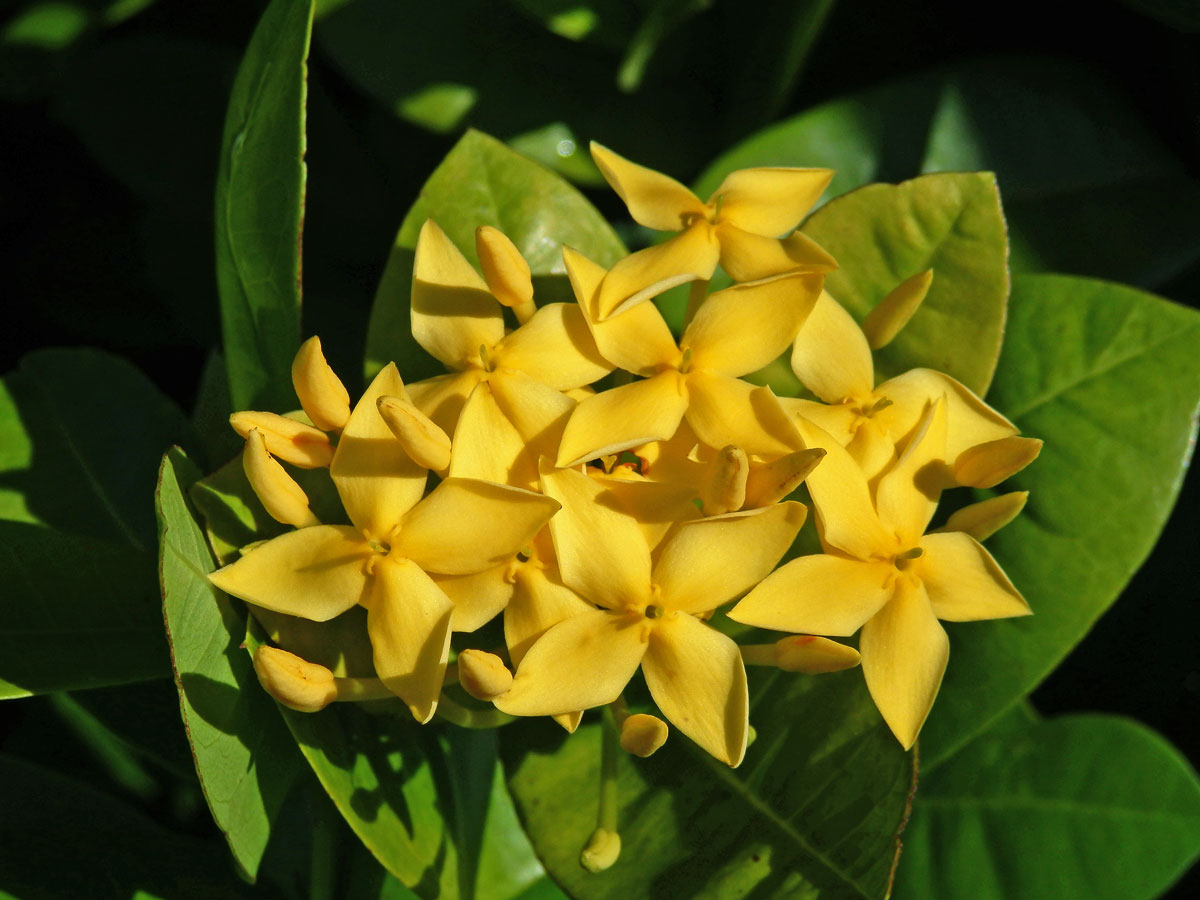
{"x": 883, "y": 574}
{"x": 740, "y": 226}
{"x": 384, "y": 560}
{"x": 648, "y": 614}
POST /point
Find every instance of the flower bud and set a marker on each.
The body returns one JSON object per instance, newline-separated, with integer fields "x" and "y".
{"x": 767, "y": 485}
{"x": 892, "y": 313}
{"x": 602, "y": 850}
{"x": 725, "y": 489}
{"x": 289, "y": 440}
{"x": 483, "y": 675}
{"x": 986, "y": 465}
{"x": 321, "y": 392}
{"x": 641, "y": 734}
{"x": 983, "y": 519}
{"x": 283, "y": 499}
{"x": 425, "y": 443}
{"x": 505, "y": 271}
{"x": 813, "y": 655}
{"x": 294, "y": 682}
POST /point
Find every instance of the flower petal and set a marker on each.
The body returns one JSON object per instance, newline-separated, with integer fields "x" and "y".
{"x": 818, "y": 594}
{"x": 654, "y": 200}
{"x": 750, "y": 257}
{"x": 657, "y": 507}
{"x": 624, "y": 417}
{"x": 486, "y": 445}
{"x": 467, "y": 526}
{"x": 581, "y": 662}
{"x": 555, "y": 347}
{"x": 907, "y": 493}
{"x": 408, "y": 619}
{"x": 964, "y": 582}
{"x": 904, "y": 653}
{"x": 706, "y": 563}
{"x": 442, "y": 397}
{"x": 377, "y": 481}
{"x": 695, "y": 675}
{"x": 723, "y": 410}
{"x": 315, "y": 573}
{"x": 539, "y": 413}
{"x": 689, "y": 256}
{"x": 771, "y": 200}
{"x": 969, "y": 421}
{"x": 742, "y": 328}
{"x": 453, "y": 313}
{"x": 831, "y": 357}
{"x": 983, "y": 519}
{"x": 894, "y": 311}
{"x": 478, "y": 598}
{"x": 539, "y": 602}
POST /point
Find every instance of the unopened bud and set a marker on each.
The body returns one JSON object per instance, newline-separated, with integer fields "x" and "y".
{"x": 814, "y": 655}
{"x": 983, "y": 519}
{"x": 892, "y": 313}
{"x": 321, "y": 392}
{"x": 505, "y": 271}
{"x": 767, "y": 485}
{"x": 483, "y": 675}
{"x": 283, "y": 499}
{"x": 294, "y": 682}
{"x": 289, "y": 440}
{"x": 986, "y": 465}
{"x": 725, "y": 490}
{"x": 425, "y": 443}
{"x": 642, "y": 734}
{"x": 602, "y": 850}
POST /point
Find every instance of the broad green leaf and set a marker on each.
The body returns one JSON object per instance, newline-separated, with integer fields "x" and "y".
{"x": 1107, "y": 377}
{"x": 813, "y": 811}
{"x": 883, "y": 234}
{"x": 81, "y": 432}
{"x": 145, "y": 718}
{"x": 78, "y": 612}
{"x": 557, "y": 148}
{"x": 64, "y": 839}
{"x": 996, "y": 821}
{"x": 482, "y": 182}
{"x": 260, "y": 209}
{"x": 244, "y": 757}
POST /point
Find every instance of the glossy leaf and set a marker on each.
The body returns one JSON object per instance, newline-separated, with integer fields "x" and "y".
{"x": 1107, "y": 377}
{"x": 260, "y": 209}
{"x": 1080, "y": 806}
{"x": 244, "y": 757}
{"x": 883, "y": 234}
{"x": 482, "y": 182}
{"x": 812, "y": 811}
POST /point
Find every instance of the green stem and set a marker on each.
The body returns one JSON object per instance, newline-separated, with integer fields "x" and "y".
{"x": 459, "y": 715}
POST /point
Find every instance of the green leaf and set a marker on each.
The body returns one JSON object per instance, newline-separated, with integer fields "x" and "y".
{"x": 883, "y": 234}
{"x": 482, "y": 182}
{"x": 813, "y": 810}
{"x": 81, "y": 432}
{"x": 1107, "y": 377}
{"x": 993, "y": 822}
{"x": 52, "y": 847}
{"x": 260, "y": 209}
{"x": 244, "y": 756}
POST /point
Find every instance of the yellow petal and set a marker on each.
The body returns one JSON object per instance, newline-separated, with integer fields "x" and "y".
{"x": 904, "y": 652}
{"x": 770, "y": 200}
{"x": 283, "y": 499}
{"x": 377, "y": 481}
{"x": 840, "y": 420}
{"x": 964, "y": 582}
{"x": 696, "y": 677}
{"x": 483, "y": 675}
{"x": 872, "y": 447}
{"x": 818, "y": 594}
{"x": 315, "y": 573}
{"x": 504, "y": 268}
{"x": 908, "y": 491}
{"x": 479, "y": 597}
{"x": 983, "y": 519}
{"x": 408, "y": 619}
{"x": 723, "y": 410}
{"x": 467, "y": 526}
{"x": 539, "y": 602}
{"x": 969, "y": 421}
{"x": 725, "y": 481}
{"x": 321, "y": 392}
{"x": 656, "y": 507}
{"x": 831, "y": 357}
{"x": 708, "y": 562}
{"x": 453, "y": 313}
{"x": 742, "y": 328}
{"x": 624, "y": 417}
{"x": 294, "y": 442}
{"x": 986, "y": 465}
{"x": 424, "y": 442}
{"x": 751, "y": 257}
{"x": 555, "y": 347}
{"x": 689, "y": 256}
{"x": 813, "y": 655}
{"x": 442, "y": 397}
{"x": 643, "y": 735}
{"x": 892, "y": 313}
{"x": 654, "y": 200}
{"x": 770, "y": 483}
{"x": 486, "y": 444}
{"x": 581, "y": 662}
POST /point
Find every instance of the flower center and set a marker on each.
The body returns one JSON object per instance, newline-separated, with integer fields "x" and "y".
{"x": 904, "y": 561}
{"x": 653, "y": 611}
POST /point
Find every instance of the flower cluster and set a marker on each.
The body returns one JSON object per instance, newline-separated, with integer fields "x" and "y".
{"x": 609, "y": 488}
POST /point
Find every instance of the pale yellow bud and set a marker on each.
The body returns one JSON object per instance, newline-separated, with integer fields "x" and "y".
{"x": 602, "y": 850}
{"x": 283, "y": 499}
{"x": 767, "y": 485}
{"x": 505, "y": 271}
{"x": 725, "y": 489}
{"x": 321, "y": 392}
{"x": 483, "y": 675}
{"x": 425, "y": 443}
{"x": 983, "y": 519}
{"x": 294, "y": 682}
{"x": 986, "y": 465}
{"x": 813, "y": 655}
{"x": 892, "y": 313}
{"x": 641, "y": 734}
{"x": 289, "y": 440}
